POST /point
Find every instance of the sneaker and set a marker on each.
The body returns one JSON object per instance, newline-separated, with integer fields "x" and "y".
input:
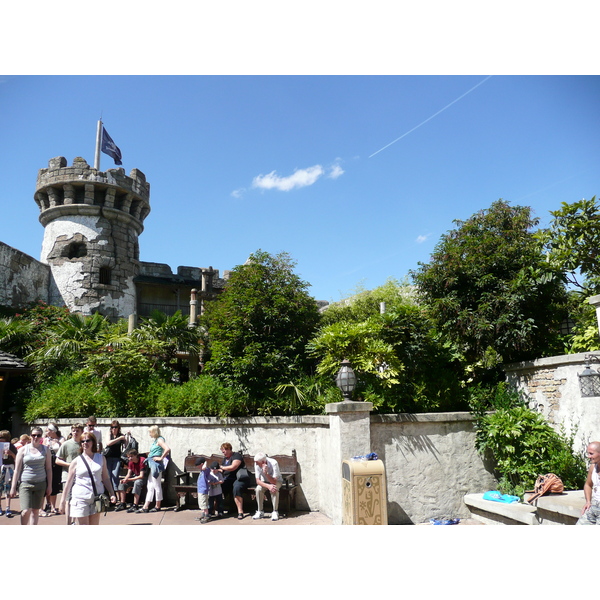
{"x": 259, "y": 514}
{"x": 133, "y": 508}
{"x": 8, "y": 513}
{"x": 1, "y": 512}
{"x": 274, "y": 516}
{"x": 119, "y": 507}
{"x": 142, "y": 510}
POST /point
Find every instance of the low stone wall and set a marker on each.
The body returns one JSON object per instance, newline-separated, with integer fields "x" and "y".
{"x": 431, "y": 463}
{"x": 430, "y": 459}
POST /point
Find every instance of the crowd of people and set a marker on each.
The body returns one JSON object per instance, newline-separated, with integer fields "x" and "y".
{"x": 84, "y": 470}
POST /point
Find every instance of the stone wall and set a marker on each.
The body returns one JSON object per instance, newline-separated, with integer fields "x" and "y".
{"x": 551, "y": 386}
{"x": 23, "y": 279}
{"x": 430, "y": 460}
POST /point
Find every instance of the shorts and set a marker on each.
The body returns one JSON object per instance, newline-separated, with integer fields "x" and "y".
{"x": 203, "y": 501}
{"x": 82, "y": 507}
{"x": 31, "y": 495}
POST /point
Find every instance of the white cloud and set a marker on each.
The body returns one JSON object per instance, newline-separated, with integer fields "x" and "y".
{"x": 335, "y": 171}
{"x": 238, "y": 193}
{"x": 423, "y": 238}
{"x": 299, "y": 178}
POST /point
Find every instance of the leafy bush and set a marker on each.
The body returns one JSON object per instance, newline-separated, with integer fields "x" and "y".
{"x": 68, "y": 395}
{"x": 521, "y": 443}
{"x": 202, "y": 396}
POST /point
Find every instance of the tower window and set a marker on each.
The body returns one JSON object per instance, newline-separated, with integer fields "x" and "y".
{"x": 75, "y": 250}
{"x": 105, "y": 275}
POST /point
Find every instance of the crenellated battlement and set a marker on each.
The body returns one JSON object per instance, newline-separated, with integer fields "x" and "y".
{"x": 62, "y": 186}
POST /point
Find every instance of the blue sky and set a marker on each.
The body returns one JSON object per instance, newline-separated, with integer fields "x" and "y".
{"x": 356, "y": 177}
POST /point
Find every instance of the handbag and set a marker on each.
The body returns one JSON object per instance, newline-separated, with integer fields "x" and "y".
{"x": 102, "y": 500}
{"x": 545, "y": 484}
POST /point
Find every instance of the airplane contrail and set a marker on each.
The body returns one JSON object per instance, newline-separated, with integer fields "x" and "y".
{"x": 432, "y": 116}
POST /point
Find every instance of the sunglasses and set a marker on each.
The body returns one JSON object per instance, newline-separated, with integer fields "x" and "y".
{"x": 36, "y": 435}
{"x": 86, "y": 441}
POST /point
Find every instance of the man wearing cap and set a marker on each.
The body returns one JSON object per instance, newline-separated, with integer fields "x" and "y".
{"x": 67, "y": 453}
{"x": 268, "y": 478}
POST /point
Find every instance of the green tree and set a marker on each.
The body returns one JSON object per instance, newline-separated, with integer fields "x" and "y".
{"x": 401, "y": 362}
{"x": 259, "y": 326}
{"x": 572, "y": 243}
{"x": 490, "y": 289}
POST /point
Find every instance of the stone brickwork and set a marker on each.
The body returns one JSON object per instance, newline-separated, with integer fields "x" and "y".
{"x": 23, "y": 279}
{"x": 92, "y": 221}
{"x": 544, "y": 391}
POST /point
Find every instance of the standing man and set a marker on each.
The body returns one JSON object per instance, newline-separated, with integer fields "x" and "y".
{"x": 91, "y": 428}
{"x": 268, "y": 478}
{"x": 67, "y": 453}
{"x": 590, "y": 515}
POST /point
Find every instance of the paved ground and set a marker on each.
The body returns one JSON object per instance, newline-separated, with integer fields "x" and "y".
{"x": 168, "y": 516}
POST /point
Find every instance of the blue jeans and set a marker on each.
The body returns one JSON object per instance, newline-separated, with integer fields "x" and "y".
{"x": 114, "y": 468}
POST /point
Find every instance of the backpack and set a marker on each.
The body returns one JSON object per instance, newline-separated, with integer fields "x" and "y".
{"x": 131, "y": 445}
{"x": 546, "y": 484}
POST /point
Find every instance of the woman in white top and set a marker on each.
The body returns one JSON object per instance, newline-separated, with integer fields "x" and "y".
{"x": 82, "y": 505}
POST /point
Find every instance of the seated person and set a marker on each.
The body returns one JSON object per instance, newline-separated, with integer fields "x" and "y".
{"x": 135, "y": 478}
{"x": 232, "y": 464}
{"x": 268, "y": 479}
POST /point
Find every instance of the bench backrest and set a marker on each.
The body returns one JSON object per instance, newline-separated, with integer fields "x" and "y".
{"x": 288, "y": 465}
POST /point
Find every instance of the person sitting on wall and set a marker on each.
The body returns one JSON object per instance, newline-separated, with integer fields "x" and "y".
{"x": 590, "y": 515}
{"x": 135, "y": 478}
{"x": 268, "y": 479}
{"x": 236, "y": 479}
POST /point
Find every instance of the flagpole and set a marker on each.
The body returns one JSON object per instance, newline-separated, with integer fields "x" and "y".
{"x": 98, "y": 141}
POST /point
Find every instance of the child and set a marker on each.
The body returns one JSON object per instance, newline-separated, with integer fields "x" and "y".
{"x": 215, "y": 493}
{"x": 135, "y": 475}
{"x": 8, "y": 453}
{"x": 203, "y": 487}
{"x": 23, "y": 441}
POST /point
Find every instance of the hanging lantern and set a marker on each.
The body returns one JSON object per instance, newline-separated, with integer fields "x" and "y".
{"x": 589, "y": 380}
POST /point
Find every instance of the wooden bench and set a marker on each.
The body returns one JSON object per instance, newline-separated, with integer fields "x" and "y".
{"x": 288, "y": 465}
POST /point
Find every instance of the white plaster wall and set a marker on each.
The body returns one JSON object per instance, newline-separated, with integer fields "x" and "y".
{"x": 431, "y": 463}
{"x": 578, "y": 415}
{"x": 68, "y": 226}
{"x": 430, "y": 460}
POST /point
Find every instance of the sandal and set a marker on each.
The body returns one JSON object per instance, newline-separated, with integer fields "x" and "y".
{"x": 240, "y": 516}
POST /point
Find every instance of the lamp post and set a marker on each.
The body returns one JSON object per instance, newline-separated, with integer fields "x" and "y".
{"x": 589, "y": 380}
{"x": 346, "y": 380}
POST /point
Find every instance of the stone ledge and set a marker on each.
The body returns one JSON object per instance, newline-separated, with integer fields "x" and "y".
{"x": 492, "y": 512}
{"x": 554, "y": 509}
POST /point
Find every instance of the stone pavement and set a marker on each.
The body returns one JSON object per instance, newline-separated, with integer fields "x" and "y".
{"x": 168, "y": 516}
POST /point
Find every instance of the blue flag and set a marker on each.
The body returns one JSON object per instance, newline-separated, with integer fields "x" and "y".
{"x": 110, "y": 148}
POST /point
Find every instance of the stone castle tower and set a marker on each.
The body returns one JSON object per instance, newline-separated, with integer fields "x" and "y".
{"x": 92, "y": 220}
